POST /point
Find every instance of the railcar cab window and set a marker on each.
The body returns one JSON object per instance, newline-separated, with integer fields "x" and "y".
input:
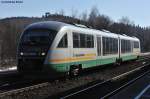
{"x": 38, "y": 37}
{"x": 136, "y": 44}
{"x": 83, "y": 40}
{"x": 63, "y": 42}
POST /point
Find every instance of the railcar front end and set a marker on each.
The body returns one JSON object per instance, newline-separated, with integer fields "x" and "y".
{"x": 34, "y": 49}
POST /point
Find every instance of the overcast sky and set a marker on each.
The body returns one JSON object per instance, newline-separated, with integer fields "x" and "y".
{"x": 136, "y": 10}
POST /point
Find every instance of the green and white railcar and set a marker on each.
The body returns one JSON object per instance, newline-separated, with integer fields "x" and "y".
{"x": 129, "y": 47}
{"x": 57, "y": 47}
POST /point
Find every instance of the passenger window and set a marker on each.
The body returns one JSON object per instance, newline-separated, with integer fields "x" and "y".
{"x": 136, "y": 44}
{"x": 89, "y": 41}
{"x": 126, "y": 46}
{"x": 63, "y": 42}
{"x": 76, "y": 40}
{"x": 110, "y": 45}
{"x": 83, "y": 40}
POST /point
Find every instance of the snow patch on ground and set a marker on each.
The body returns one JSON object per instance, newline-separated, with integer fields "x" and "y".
{"x": 9, "y": 69}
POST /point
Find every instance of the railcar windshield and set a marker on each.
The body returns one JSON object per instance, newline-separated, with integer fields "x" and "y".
{"x": 38, "y": 37}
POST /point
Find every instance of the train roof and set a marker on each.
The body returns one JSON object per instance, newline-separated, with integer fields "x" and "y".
{"x": 103, "y": 33}
{"x": 54, "y": 25}
{"x": 128, "y": 37}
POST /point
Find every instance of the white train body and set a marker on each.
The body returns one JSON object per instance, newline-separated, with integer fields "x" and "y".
{"x": 84, "y": 47}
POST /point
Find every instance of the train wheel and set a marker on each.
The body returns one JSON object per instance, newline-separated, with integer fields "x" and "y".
{"x": 118, "y": 62}
{"x": 74, "y": 71}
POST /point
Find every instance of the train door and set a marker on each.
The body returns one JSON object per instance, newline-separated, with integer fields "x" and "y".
{"x": 75, "y": 48}
{"x": 119, "y": 47}
{"x": 69, "y": 51}
{"x": 99, "y": 49}
{"x": 62, "y": 52}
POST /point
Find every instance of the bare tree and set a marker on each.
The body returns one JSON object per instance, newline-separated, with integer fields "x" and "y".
{"x": 102, "y": 22}
{"x": 74, "y": 13}
{"x": 125, "y": 20}
{"x": 93, "y": 15}
{"x": 61, "y": 12}
{"x": 47, "y": 14}
{"x": 84, "y": 16}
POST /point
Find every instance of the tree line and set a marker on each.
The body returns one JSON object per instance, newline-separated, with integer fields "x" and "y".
{"x": 11, "y": 28}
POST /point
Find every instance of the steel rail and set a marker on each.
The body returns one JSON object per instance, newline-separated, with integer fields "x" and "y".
{"x": 101, "y": 83}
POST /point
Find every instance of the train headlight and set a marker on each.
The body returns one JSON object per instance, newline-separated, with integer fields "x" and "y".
{"x": 43, "y": 54}
{"x": 21, "y": 53}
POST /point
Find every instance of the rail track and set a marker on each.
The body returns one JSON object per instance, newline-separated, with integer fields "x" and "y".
{"x": 7, "y": 77}
{"x": 67, "y": 88}
{"x": 11, "y": 80}
{"x": 108, "y": 88}
{"x": 13, "y": 93}
{"x": 18, "y": 84}
{"x": 124, "y": 85}
{"x": 10, "y": 87}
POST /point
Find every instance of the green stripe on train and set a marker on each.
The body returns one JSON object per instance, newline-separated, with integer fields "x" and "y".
{"x": 126, "y": 58}
{"x": 91, "y": 63}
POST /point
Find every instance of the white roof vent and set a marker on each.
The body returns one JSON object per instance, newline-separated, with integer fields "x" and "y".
{"x": 105, "y": 31}
{"x": 134, "y": 36}
{"x": 80, "y": 25}
{"x": 124, "y": 34}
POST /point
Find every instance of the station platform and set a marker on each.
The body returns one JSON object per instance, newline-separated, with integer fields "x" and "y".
{"x": 140, "y": 89}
